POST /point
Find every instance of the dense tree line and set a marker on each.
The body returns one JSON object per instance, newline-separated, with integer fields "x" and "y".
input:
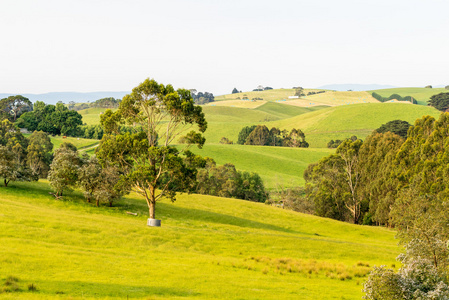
{"x": 108, "y": 102}
{"x": 260, "y": 135}
{"x": 363, "y": 180}
{"x": 23, "y": 159}
{"x": 416, "y": 204}
{"x": 54, "y": 119}
{"x": 226, "y": 181}
{"x": 97, "y": 181}
{"x": 202, "y": 98}
{"x": 394, "y": 96}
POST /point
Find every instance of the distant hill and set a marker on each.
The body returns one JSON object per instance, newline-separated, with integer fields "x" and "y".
{"x": 66, "y": 97}
{"x": 355, "y": 87}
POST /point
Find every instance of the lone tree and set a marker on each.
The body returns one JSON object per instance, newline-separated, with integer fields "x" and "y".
{"x": 150, "y": 166}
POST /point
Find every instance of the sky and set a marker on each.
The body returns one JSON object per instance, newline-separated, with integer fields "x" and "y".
{"x": 216, "y": 45}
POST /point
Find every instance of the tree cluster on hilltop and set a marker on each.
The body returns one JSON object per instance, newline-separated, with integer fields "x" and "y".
{"x": 394, "y": 97}
{"x": 440, "y": 101}
{"x": 202, "y": 98}
{"x": 260, "y": 135}
{"x": 108, "y": 102}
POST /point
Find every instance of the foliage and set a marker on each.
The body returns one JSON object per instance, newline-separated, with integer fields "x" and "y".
{"x": 333, "y": 183}
{"x": 39, "y": 154}
{"x": 395, "y": 97}
{"x": 299, "y": 91}
{"x": 150, "y": 166}
{"x": 244, "y": 133}
{"x": 91, "y": 132}
{"x": 100, "y": 182}
{"x": 440, "y": 101}
{"x": 336, "y": 143}
{"x": 396, "y": 126}
{"x": 326, "y": 187}
{"x": 90, "y": 177}
{"x": 13, "y": 148}
{"x": 260, "y": 135}
{"x": 225, "y": 140}
{"x": 378, "y": 186}
{"x": 235, "y": 91}
{"x": 108, "y": 102}
{"x": 54, "y": 119}
{"x": 64, "y": 170}
{"x": 202, "y": 98}
{"x": 13, "y": 107}
{"x": 226, "y": 181}
{"x": 428, "y": 86}
{"x": 417, "y": 279}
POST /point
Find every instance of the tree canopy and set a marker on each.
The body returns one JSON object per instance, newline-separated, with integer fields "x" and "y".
{"x": 14, "y": 106}
{"x": 150, "y": 166}
{"x": 396, "y": 126}
{"x": 440, "y": 101}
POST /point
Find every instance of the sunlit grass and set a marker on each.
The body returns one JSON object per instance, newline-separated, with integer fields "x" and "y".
{"x": 207, "y": 248}
{"x": 422, "y": 95}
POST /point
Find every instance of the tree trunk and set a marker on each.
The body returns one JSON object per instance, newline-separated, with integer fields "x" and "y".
{"x": 6, "y": 182}
{"x": 97, "y": 203}
{"x": 152, "y": 210}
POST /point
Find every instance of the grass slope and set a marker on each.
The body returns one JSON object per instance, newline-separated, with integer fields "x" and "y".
{"x": 283, "y": 111}
{"x": 341, "y": 98}
{"x": 91, "y": 116}
{"x": 278, "y": 166}
{"x": 422, "y": 95}
{"x": 360, "y": 120}
{"x": 208, "y": 248}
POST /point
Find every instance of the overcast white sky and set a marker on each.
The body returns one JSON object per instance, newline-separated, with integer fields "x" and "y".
{"x": 216, "y": 45}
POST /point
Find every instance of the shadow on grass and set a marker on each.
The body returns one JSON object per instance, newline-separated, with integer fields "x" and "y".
{"x": 122, "y": 291}
{"x": 193, "y": 214}
{"x": 41, "y": 190}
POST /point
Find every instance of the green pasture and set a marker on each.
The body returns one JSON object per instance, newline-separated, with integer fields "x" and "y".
{"x": 278, "y": 166}
{"x": 91, "y": 116}
{"x": 341, "y": 122}
{"x": 207, "y": 248}
{"x": 422, "y": 95}
{"x": 340, "y": 98}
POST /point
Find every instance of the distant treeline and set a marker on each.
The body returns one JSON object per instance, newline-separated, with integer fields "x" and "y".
{"x": 202, "y": 98}
{"x": 260, "y": 135}
{"x": 101, "y": 103}
{"x": 394, "y": 96}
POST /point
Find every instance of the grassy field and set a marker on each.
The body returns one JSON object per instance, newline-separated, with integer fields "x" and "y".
{"x": 422, "y": 95}
{"x": 341, "y": 122}
{"x": 278, "y": 166}
{"x": 339, "y": 98}
{"x": 91, "y": 116}
{"x": 207, "y": 248}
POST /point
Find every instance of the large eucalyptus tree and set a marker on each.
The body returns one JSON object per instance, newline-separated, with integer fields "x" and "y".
{"x": 151, "y": 166}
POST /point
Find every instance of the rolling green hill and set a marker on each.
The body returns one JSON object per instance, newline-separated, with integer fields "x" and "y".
{"x": 278, "y": 166}
{"x": 207, "y": 248}
{"x": 343, "y": 121}
{"x": 422, "y": 95}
